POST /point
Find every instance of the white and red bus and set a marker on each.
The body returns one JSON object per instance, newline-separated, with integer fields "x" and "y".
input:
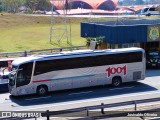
{"x": 68, "y": 70}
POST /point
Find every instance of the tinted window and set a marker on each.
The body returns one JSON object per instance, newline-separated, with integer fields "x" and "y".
{"x": 24, "y": 74}
{"x": 153, "y": 54}
{"x": 89, "y": 61}
{"x": 5, "y": 77}
{"x": 146, "y": 9}
{"x": 3, "y": 64}
{"x": 152, "y": 9}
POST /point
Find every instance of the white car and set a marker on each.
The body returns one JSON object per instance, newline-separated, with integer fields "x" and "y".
{"x": 148, "y": 11}
{"x": 4, "y": 77}
{"x": 5, "y": 64}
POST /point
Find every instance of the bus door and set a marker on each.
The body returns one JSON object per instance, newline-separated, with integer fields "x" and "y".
{"x": 23, "y": 78}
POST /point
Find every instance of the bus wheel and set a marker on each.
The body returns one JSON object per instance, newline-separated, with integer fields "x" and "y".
{"x": 149, "y": 14}
{"x": 116, "y": 81}
{"x": 42, "y": 90}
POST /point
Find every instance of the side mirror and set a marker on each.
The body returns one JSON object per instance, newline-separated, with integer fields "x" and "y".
{"x": 4, "y": 70}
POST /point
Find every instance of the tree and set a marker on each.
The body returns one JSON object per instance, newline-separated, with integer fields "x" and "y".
{"x": 38, "y": 5}
{"x": 11, "y": 5}
{"x": 128, "y": 2}
{"x": 120, "y": 2}
{"x": 44, "y": 5}
{"x": 0, "y": 6}
{"x": 147, "y": 1}
{"x": 98, "y": 40}
{"x": 139, "y": 2}
{"x": 31, "y": 4}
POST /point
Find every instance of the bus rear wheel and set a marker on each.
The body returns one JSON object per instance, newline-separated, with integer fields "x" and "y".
{"x": 116, "y": 81}
{"x": 42, "y": 90}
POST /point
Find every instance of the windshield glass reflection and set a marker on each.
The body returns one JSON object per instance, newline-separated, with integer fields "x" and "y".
{"x": 12, "y": 75}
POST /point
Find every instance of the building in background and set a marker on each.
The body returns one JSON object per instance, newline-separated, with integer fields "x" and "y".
{"x": 86, "y": 4}
{"x": 142, "y": 33}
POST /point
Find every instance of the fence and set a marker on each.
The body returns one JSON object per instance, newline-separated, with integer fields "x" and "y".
{"x": 89, "y": 110}
{"x": 44, "y": 51}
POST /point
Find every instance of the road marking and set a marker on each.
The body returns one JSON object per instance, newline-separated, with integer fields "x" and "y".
{"x": 91, "y": 101}
{"x": 121, "y": 88}
{"x": 154, "y": 84}
{"x": 80, "y": 93}
{"x": 5, "y": 100}
{"x": 151, "y": 84}
{"x": 38, "y": 98}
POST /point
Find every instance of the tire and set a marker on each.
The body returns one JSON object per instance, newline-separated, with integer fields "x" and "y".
{"x": 42, "y": 90}
{"x": 116, "y": 81}
{"x": 149, "y": 14}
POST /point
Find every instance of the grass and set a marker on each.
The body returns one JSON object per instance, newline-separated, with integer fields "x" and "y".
{"x": 26, "y": 32}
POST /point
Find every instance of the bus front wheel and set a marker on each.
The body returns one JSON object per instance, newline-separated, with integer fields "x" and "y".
{"x": 149, "y": 14}
{"x": 116, "y": 81}
{"x": 42, "y": 90}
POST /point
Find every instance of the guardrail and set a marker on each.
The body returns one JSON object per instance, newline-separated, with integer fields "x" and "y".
{"x": 43, "y": 51}
{"x": 89, "y": 110}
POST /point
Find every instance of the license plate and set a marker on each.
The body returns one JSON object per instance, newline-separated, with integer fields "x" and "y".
{"x": 153, "y": 64}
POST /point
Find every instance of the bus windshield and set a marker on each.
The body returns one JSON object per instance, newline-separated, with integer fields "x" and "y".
{"x": 24, "y": 73}
{"x": 14, "y": 68}
{"x": 12, "y": 78}
{"x": 154, "y": 55}
{"x": 20, "y": 75}
{"x": 145, "y": 10}
{"x": 12, "y": 75}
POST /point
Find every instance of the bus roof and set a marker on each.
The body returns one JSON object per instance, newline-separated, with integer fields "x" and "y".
{"x": 69, "y": 54}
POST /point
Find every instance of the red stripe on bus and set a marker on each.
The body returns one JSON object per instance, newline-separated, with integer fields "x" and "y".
{"x": 40, "y": 81}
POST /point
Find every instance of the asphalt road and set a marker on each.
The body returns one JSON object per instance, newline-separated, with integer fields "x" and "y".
{"x": 148, "y": 88}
